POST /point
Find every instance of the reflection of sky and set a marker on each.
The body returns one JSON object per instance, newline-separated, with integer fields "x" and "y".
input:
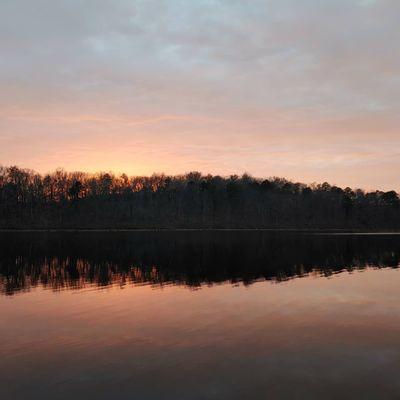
{"x": 309, "y": 336}
{"x": 307, "y": 90}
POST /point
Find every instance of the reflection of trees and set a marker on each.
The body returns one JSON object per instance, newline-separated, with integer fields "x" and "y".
{"x": 75, "y": 260}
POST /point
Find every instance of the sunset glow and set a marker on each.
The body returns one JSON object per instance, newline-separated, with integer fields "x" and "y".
{"x": 304, "y": 90}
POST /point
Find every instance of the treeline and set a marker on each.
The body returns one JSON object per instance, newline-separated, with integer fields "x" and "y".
{"x": 104, "y": 200}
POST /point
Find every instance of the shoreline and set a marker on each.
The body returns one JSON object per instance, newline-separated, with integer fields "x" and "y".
{"x": 287, "y": 230}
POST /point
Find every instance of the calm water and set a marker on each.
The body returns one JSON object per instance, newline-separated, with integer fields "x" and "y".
{"x": 199, "y": 315}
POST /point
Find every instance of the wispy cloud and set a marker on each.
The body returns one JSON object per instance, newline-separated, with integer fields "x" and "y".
{"x": 283, "y": 87}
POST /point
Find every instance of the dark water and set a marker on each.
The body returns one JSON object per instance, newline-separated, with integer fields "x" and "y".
{"x": 199, "y": 315}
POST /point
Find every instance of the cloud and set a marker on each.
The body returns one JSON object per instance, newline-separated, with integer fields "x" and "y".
{"x": 307, "y": 74}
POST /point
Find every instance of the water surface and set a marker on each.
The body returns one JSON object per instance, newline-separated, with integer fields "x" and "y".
{"x": 199, "y": 315}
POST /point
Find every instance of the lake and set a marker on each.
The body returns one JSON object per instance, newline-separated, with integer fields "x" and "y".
{"x": 199, "y": 315}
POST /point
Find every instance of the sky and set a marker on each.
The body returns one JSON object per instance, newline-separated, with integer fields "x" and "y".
{"x": 303, "y": 89}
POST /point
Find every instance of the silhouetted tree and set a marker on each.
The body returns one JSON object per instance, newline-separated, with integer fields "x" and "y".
{"x": 193, "y": 200}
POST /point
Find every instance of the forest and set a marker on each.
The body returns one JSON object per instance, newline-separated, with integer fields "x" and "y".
{"x": 78, "y": 200}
